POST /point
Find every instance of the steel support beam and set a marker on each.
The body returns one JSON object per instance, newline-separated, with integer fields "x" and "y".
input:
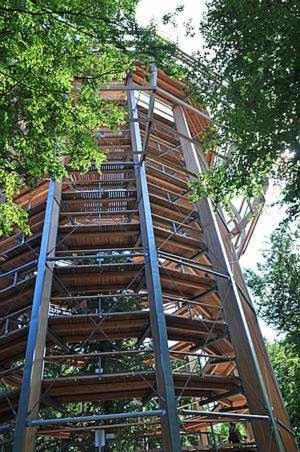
{"x": 190, "y": 263}
{"x": 149, "y": 119}
{"x": 33, "y": 369}
{"x": 164, "y": 379}
{"x": 268, "y": 437}
{"x": 220, "y": 415}
{"x": 96, "y": 417}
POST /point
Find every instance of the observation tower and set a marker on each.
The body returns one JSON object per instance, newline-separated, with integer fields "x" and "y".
{"x": 125, "y": 314}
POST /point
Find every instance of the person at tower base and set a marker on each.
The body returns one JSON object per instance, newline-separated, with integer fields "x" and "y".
{"x": 233, "y": 435}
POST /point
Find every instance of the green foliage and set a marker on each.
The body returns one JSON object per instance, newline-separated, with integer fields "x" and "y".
{"x": 249, "y": 80}
{"x": 54, "y": 56}
{"x": 276, "y": 283}
{"x": 222, "y": 431}
{"x": 12, "y": 214}
{"x": 285, "y": 359}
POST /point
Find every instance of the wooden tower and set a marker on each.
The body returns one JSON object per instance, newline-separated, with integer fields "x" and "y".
{"x": 128, "y": 301}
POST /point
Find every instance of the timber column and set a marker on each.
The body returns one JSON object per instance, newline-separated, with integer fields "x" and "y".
{"x": 164, "y": 378}
{"x": 34, "y": 360}
{"x": 240, "y": 318}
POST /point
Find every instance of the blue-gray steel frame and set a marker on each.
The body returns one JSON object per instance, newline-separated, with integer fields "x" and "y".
{"x": 164, "y": 379}
{"x": 34, "y": 359}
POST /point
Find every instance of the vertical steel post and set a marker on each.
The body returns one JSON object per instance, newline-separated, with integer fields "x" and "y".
{"x": 214, "y": 439}
{"x": 267, "y": 437}
{"x": 164, "y": 378}
{"x": 34, "y": 359}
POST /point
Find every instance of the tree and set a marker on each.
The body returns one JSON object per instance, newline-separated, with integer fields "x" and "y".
{"x": 249, "y": 80}
{"x": 45, "y": 116}
{"x": 276, "y": 283}
{"x": 285, "y": 360}
{"x": 54, "y": 56}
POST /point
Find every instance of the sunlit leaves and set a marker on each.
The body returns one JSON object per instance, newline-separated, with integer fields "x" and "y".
{"x": 249, "y": 81}
{"x": 285, "y": 359}
{"x": 54, "y": 56}
{"x": 276, "y": 282}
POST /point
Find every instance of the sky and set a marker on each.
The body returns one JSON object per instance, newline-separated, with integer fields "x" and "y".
{"x": 193, "y": 11}
{"x": 153, "y": 10}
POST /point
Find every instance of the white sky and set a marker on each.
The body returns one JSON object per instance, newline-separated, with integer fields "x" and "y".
{"x": 149, "y": 10}
{"x": 193, "y": 10}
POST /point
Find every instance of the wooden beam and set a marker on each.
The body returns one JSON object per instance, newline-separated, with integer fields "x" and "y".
{"x": 268, "y": 436}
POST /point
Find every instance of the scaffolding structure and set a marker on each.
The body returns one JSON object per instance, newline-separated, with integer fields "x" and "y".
{"x": 129, "y": 299}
